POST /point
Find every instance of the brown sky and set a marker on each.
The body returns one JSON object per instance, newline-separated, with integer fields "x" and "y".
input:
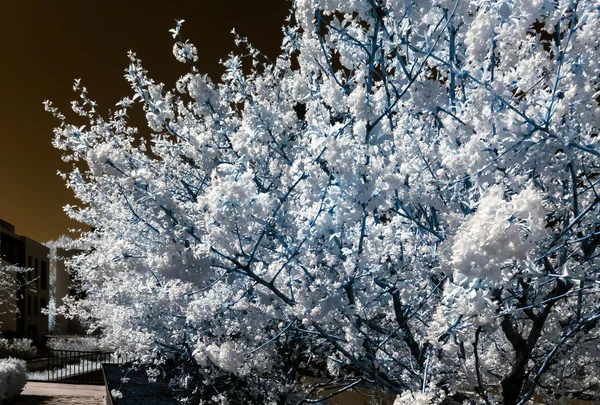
{"x": 45, "y": 44}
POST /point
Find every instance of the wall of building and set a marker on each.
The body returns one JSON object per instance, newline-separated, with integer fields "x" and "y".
{"x": 12, "y": 251}
{"x": 8, "y": 301}
{"x": 34, "y": 296}
{"x": 37, "y": 294}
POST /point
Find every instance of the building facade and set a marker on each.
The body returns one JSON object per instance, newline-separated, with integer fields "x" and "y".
{"x": 34, "y": 293}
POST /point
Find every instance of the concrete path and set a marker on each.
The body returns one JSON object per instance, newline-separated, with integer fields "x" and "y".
{"x": 39, "y": 393}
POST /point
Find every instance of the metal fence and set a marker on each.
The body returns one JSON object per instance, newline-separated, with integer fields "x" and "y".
{"x": 76, "y": 367}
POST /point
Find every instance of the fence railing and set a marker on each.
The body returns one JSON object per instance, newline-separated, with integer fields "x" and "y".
{"x": 76, "y": 367}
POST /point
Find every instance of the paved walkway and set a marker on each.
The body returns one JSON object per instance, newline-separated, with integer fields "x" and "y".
{"x": 39, "y": 393}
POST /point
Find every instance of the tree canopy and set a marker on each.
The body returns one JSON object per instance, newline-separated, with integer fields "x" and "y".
{"x": 406, "y": 198}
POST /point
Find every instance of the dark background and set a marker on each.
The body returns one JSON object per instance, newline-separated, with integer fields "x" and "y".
{"x": 45, "y": 45}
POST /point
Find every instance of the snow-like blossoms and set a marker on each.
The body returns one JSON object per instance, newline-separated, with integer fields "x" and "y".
{"x": 416, "y": 398}
{"x": 116, "y": 394}
{"x": 406, "y": 199}
{"x": 498, "y": 234}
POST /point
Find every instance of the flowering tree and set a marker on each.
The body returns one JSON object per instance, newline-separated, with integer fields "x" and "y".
{"x": 406, "y": 197}
{"x": 11, "y": 281}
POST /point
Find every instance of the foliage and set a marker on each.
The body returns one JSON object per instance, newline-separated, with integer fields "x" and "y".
{"x": 406, "y": 197}
{"x": 77, "y": 343}
{"x": 13, "y": 377}
{"x": 18, "y": 348}
{"x": 12, "y": 280}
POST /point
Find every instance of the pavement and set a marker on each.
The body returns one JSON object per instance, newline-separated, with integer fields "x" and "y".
{"x": 39, "y": 393}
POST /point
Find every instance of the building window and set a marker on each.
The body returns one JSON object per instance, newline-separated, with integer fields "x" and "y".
{"x": 37, "y": 273}
{"x": 44, "y": 276}
{"x": 29, "y": 266}
{"x": 29, "y": 305}
{"x": 36, "y": 306}
{"x": 42, "y": 305}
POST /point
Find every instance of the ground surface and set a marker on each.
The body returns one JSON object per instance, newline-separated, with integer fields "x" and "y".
{"x": 137, "y": 390}
{"x": 37, "y": 393}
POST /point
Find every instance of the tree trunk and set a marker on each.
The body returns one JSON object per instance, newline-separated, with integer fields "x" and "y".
{"x": 513, "y": 382}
